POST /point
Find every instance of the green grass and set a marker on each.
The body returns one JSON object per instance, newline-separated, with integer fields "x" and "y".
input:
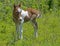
{"x": 48, "y": 31}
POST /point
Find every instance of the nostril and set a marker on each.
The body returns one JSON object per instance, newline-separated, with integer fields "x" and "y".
{"x": 20, "y": 19}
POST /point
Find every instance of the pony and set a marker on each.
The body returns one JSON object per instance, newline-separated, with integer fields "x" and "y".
{"x": 21, "y": 16}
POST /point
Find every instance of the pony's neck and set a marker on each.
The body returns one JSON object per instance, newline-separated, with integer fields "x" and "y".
{"x": 24, "y": 13}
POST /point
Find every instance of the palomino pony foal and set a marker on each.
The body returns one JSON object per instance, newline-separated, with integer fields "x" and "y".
{"x": 21, "y": 16}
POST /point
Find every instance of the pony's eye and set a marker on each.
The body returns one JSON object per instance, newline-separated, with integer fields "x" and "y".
{"x": 17, "y": 12}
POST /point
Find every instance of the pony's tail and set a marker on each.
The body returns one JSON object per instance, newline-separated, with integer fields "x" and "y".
{"x": 39, "y": 15}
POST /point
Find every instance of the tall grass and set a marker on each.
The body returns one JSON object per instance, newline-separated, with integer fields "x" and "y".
{"x": 48, "y": 31}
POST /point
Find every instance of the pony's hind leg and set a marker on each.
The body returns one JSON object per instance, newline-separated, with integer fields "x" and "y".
{"x": 35, "y": 28}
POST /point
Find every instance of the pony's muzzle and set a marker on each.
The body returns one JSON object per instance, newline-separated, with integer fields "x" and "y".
{"x": 20, "y": 18}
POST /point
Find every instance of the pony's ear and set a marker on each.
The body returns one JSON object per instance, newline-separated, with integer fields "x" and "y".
{"x": 14, "y": 5}
{"x": 20, "y": 5}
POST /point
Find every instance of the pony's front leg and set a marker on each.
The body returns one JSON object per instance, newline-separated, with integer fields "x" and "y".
{"x": 21, "y": 30}
{"x": 17, "y": 32}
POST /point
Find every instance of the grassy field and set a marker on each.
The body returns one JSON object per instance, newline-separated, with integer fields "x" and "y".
{"x": 48, "y": 31}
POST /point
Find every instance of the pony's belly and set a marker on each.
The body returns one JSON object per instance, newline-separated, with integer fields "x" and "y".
{"x": 26, "y": 19}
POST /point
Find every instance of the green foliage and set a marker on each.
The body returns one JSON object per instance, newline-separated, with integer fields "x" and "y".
{"x": 48, "y": 24}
